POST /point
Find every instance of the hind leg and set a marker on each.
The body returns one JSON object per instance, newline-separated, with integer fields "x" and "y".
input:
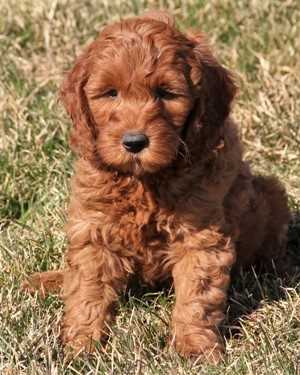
{"x": 263, "y": 227}
{"x": 44, "y": 282}
{"x": 273, "y": 247}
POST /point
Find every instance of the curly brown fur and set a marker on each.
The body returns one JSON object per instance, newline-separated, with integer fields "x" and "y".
{"x": 186, "y": 206}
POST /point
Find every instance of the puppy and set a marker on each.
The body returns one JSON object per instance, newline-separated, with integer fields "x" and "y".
{"x": 160, "y": 188}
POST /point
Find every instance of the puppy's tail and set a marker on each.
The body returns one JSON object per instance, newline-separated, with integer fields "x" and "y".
{"x": 44, "y": 283}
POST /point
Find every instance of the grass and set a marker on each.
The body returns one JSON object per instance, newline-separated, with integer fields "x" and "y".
{"x": 38, "y": 42}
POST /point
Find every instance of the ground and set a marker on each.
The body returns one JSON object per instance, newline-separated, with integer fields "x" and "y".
{"x": 259, "y": 41}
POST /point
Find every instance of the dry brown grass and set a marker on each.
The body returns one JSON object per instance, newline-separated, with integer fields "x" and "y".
{"x": 38, "y": 42}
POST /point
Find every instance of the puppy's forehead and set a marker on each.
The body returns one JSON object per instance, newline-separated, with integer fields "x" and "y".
{"x": 142, "y": 42}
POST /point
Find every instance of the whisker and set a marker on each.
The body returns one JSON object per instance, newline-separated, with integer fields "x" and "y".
{"x": 185, "y": 153}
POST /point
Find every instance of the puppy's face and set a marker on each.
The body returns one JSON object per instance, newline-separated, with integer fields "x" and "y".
{"x": 138, "y": 84}
{"x": 140, "y": 94}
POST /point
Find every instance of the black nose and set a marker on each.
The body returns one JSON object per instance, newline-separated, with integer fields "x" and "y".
{"x": 135, "y": 142}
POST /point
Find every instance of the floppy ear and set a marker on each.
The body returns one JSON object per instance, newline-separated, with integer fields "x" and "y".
{"x": 160, "y": 15}
{"x": 216, "y": 85}
{"x": 75, "y": 102}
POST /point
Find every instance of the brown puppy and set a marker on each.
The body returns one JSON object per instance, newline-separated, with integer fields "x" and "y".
{"x": 160, "y": 187}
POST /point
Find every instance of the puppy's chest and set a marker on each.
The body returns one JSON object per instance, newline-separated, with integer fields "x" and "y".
{"x": 141, "y": 224}
{"x": 142, "y": 227}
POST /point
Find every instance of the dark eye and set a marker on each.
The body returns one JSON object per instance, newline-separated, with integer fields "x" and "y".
{"x": 164, "y": 94}
{"x": 112, "y": 93}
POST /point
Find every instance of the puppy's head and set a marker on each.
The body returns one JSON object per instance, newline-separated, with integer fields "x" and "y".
{"x": 141, "y": 91}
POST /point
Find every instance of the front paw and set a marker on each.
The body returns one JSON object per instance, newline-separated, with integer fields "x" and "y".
{"x": 198, "y": 343}
{"x": 82, "y": 340}
{"x": 79, "y": 344}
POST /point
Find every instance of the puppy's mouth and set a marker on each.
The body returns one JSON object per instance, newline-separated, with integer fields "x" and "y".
{"x": 135, "y": 166}
{"x": 138, "y": 164}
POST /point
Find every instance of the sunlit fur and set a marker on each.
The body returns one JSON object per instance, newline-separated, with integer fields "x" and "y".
{"x": 186, "y": 208}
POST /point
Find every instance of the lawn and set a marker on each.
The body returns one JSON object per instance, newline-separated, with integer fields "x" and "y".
{"x": 39, "y": 39}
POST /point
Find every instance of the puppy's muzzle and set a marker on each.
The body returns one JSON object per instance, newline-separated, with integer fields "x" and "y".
{"x": 135, "y": 142}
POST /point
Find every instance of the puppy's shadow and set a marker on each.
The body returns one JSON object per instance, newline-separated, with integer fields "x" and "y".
{"x": 251, "y": 287}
